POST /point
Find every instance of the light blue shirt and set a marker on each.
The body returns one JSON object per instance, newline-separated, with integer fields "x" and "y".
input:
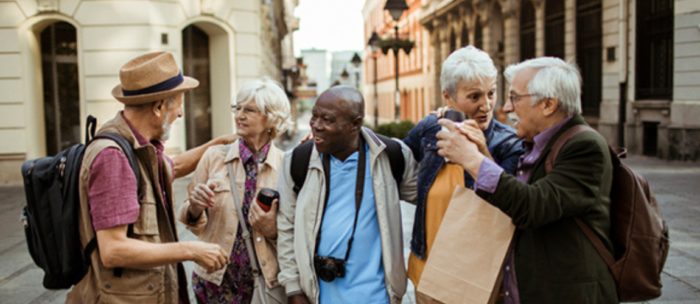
{"x": 364, "y": 271}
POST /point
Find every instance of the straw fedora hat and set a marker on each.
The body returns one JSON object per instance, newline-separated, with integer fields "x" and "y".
{"x": 151, "y": 77}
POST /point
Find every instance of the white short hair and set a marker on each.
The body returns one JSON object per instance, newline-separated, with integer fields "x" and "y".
{"x": 469, "y": 64}
{"x": 270, "y": 99}
{"x": 554, "y": 78}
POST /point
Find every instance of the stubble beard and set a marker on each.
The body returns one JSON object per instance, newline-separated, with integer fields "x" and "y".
{"x": 166, "y": 128}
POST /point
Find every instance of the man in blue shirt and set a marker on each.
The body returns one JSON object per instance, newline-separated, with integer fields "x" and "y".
{"x": 340, "y": 238}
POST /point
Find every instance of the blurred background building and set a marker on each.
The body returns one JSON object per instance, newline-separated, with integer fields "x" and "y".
{"x": 639, "y": 59}
{"x": 344, "y": 71}
{"x": 415, "y": 85}
{"x": 60, "y": 60}
{"x": 318, "y": 69}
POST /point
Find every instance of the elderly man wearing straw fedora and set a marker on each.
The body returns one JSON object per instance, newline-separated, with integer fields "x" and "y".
{"x": 138, "y": 257}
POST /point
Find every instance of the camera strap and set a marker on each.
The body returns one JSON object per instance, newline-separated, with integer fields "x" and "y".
{"x": 359, "y": 190}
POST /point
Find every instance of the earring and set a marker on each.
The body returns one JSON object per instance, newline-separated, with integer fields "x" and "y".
{"x": 269, "y": 131}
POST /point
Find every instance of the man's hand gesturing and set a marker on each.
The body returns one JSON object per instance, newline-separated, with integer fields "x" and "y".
{"x": 210, "y": 256}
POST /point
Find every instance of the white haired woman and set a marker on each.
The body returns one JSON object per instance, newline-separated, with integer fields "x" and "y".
{"x": 468, "y": 81}
{"x": 261, "y": 111}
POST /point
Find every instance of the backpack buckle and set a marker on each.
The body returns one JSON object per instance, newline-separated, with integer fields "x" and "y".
{"x": 23, "y": 218}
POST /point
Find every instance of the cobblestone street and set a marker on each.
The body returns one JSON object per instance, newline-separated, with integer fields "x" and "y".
{"x": 675, "y": 184}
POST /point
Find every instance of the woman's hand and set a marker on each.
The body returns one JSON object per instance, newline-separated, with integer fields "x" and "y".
{"x": 200, "y": 199}
{"x": 265, "y": 222}
{"x": 458, "y": 148}
{"x": 471, "y": 129}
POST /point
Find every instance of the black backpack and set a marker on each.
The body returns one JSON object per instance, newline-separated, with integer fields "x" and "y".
{"x": 302, "y": 154}
{"x": 53, "y": 210}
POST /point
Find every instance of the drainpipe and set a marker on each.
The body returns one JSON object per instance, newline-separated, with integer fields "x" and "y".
{"x": 622, "y": 73}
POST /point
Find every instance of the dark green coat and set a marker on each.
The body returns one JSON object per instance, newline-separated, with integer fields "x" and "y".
{"x": 554, "y": 261}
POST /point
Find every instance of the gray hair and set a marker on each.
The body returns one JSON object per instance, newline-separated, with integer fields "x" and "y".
{"x": 554, "y": 78}
{"x": 469, "y": 64}
{"x": 270, "y": 99}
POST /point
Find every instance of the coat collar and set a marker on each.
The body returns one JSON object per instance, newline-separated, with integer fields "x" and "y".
{"x": 274, "y": 155}
{"x": 574, "y": 121}
{"x": 119, "y": 125}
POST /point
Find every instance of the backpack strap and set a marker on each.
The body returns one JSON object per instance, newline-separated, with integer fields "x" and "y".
{"x": 128, "y": 150}
{"x": 561, "y": 141}
{"x": 597, "y": 243}
{"x": 549, "y": 164}
{"x": 300, "y": 164}
{"x": 396, "y": 159}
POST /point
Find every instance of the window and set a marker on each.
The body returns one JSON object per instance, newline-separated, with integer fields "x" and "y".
{"x": 195, "y": 50}
{"x": 59, "y": 65}
{"x": 453, "y": 41}
{"x": 554, "y": 28}
{"x": 527, "y": 30}
{"x": 478, "y": 34}
{"x": 589, "y": 53}
{"x": 654, "y": 55}
{"x": 465, "y": 34}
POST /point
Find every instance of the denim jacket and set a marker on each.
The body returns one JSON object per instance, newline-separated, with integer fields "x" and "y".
{"x": 505, "y": 147}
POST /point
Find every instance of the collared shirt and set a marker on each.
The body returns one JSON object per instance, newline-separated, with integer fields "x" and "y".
{"x": 487, "y": 180}
{"x": 364, "y": 271}
{"x": 112, "y": 189}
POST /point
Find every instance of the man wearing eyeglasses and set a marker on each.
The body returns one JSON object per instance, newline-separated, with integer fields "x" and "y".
{"x": 551, "y": 260}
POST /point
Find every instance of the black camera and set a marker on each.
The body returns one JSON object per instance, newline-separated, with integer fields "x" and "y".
{"x": 329, "y": 268}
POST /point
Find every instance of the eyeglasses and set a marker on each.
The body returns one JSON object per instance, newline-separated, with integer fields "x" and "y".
{"x": 514, "y": 97}
{"x": 236, "y": 109}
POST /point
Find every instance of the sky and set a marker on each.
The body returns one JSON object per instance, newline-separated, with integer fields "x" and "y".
{"x": 333, "y": 25}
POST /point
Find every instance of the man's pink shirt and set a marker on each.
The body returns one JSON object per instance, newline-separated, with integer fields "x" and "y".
{"x": 112, "y": 189}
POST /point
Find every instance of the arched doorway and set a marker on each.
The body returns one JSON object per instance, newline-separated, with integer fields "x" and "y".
{"x": 589, "y": 53}
{"x": 195, "y": 51}
{"x": 554, "y": 28}
{"x": 61, "y": 89}
{"x": 527, "y": 30}
{"x": 465, "y": 35}
{"x": 478, "y": 34}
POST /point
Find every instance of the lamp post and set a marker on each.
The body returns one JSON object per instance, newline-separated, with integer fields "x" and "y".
{"x": 357, "y": 61}
{"x": 396, "y": 8}
{"x": 374, "y": 44}
{"x": 344, "y": 75}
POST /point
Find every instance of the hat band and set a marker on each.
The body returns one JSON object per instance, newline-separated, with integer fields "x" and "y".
{"x": 166, "y": 85}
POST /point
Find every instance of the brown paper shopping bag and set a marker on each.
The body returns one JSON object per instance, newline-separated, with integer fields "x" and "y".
{"x": 468, "y": 252}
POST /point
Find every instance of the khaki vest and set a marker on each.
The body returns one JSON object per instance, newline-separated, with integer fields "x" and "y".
{"x": 155, "y": 285}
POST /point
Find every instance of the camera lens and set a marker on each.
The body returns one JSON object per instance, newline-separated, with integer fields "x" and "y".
{"x": 328, "y": 271}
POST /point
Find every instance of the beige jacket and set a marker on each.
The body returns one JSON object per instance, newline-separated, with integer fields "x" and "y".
{"x": 153, "y": 285}
{"x": 219, "y": 224}
{"x": 299, "y": 219}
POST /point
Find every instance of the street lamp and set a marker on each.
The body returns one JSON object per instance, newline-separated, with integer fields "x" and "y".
{"x": 396, "y": 8}
{"x": 344, "y": 75}
{"x": 374, "y": 44}
{"x": 356, "y": 61}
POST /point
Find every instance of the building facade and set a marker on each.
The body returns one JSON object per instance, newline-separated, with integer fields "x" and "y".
{"x": 61, "y": 59}
{"x": 341, "y": 61}
{"x": 416, "y": 91}
{"x": 639, "y": 60}
{"x": 318, "y": 69}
